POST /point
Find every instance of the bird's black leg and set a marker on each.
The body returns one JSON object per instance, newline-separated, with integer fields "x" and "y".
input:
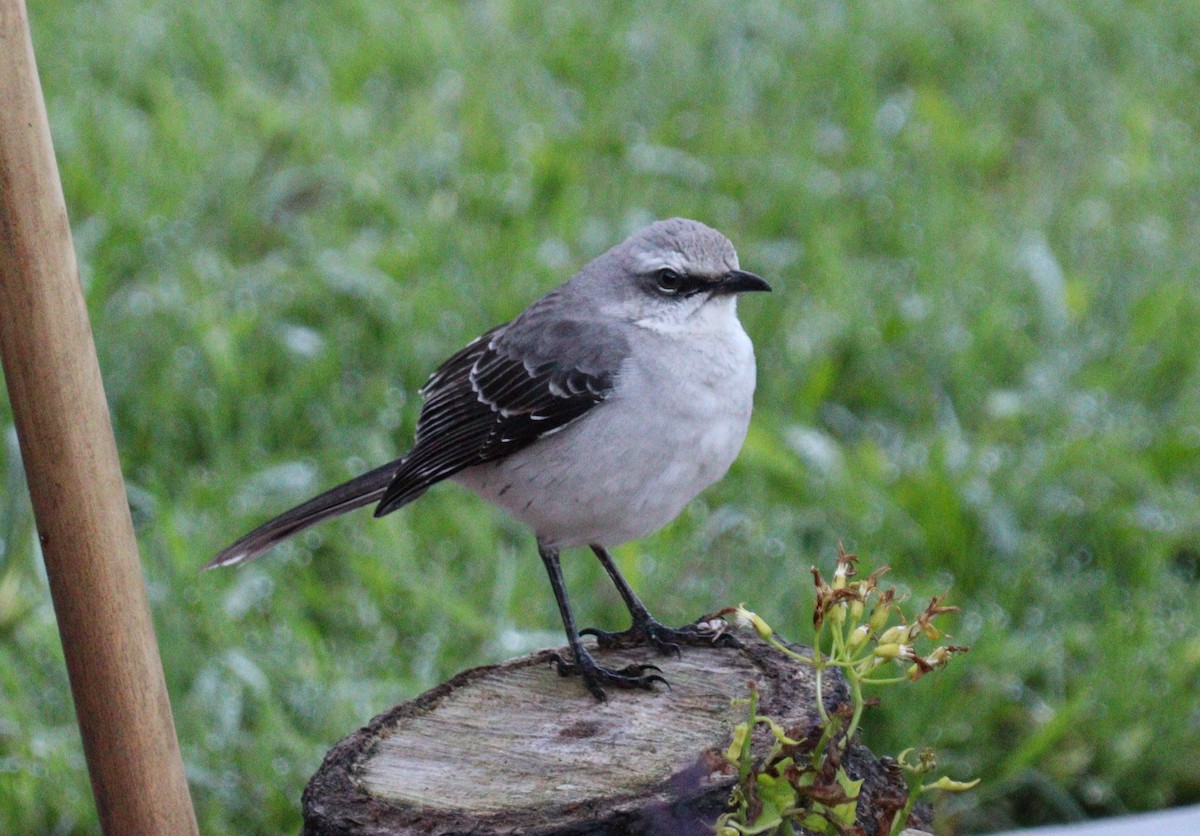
{"x": 594, "y": 676}
{"x": 645, "y": 627}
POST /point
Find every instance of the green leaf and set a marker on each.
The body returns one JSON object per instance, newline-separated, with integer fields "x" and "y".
{"x": 945, "y": 783}
{"x": 741, "y": 737}
{"x": 846, "y": 813}
{"x": 776, "y": 793}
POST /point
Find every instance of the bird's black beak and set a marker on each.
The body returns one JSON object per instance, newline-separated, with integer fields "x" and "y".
{"x": 739, "y": 281}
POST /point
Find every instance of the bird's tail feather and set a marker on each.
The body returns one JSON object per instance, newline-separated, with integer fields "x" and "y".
{"x": 356, "y": 493}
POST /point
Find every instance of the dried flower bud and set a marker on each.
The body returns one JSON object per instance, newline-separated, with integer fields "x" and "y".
{"x": 924, "y": 621}
{"x": 745, "y": 618}
{"x": 941, "y": 655}
{"x": 872, "y": 580}
{"x": 882, "y": 612}
{"x": 821, "y": 602}
{"x": 867, "y": 665}
{"x": 856, "y": 610}
{"x": 892, "y": 650}
{"x": 845, "y": 568}
{"x": 858, "y": 638}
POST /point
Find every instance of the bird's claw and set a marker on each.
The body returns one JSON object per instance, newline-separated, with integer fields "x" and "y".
{"x": 595, "y": 677}
{"x": 664, "y": 639}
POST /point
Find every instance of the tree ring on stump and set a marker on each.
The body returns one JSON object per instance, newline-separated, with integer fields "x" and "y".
{"x": 517, "y": 748}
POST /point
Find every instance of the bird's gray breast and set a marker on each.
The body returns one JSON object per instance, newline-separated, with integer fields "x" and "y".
{"x": 672, "y": 426}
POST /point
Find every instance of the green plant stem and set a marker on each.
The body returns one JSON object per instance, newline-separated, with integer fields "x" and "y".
{"x": 901, "y": 819}
{"x": 817, "y": 661}
{"x": 746, "y": 755}
{"x": 839, "y": 639}
{"x": 821, "y": 693}
{"x": 783, "y": 648}
{"x": 856, "y": 698}
{"x": 895, "y": 680}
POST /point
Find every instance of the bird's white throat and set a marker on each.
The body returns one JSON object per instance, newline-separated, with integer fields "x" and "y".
{"x": 696, "y": 316}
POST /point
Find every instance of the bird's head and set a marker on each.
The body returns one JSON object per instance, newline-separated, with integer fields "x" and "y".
{"x": 668, "y": 273}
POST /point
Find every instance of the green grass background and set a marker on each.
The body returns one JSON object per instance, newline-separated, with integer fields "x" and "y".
{"x": 982, "y": 222}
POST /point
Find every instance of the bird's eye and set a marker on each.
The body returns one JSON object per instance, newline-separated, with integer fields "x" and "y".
{"x": 668, "y": 280}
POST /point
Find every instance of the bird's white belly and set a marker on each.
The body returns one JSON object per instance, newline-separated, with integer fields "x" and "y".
{"x": 628, "y": 467}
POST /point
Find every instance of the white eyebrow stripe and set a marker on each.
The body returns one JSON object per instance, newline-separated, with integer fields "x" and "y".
{"x": 650, "y": 262}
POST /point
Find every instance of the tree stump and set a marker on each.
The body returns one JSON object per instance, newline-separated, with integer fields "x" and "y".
{"x": 515, "y": 748}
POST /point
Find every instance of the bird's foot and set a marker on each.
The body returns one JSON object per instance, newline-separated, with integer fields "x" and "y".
{"x": 595, "y": 677}
{"x": 664, "y": 639}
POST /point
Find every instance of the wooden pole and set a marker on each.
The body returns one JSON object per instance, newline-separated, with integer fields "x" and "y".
{"x": 74, "y": 476}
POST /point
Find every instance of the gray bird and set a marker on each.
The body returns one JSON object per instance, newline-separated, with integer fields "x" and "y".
{"x": 594, "y": 417}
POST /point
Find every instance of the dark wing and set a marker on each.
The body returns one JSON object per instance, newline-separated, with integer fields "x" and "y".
{"x": 512, "y": 386}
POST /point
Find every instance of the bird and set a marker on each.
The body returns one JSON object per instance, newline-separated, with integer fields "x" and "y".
{"x": 593, "y": 417}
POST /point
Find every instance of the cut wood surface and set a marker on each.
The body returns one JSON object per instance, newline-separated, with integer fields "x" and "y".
{"x": 515, "y": 748}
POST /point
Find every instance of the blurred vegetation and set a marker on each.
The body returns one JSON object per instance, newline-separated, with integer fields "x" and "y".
{"x": 979, "y": 364}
